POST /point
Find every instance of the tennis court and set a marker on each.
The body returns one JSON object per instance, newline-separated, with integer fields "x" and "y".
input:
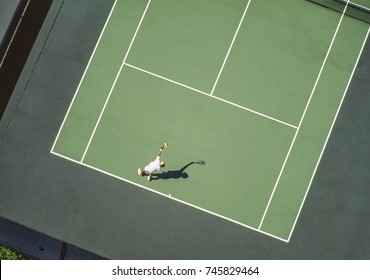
{"x": 233, "y": 84}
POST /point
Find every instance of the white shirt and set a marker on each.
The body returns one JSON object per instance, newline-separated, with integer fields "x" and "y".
{"x": 153, "y": 166}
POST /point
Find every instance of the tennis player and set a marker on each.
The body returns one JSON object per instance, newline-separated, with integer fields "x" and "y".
{"x": 155, "y": 165}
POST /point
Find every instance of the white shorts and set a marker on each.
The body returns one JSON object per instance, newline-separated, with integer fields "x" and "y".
{"x": 153, "y": 166}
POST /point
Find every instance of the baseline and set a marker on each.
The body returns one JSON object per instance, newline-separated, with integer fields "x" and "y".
{"x": 167, "y": 196}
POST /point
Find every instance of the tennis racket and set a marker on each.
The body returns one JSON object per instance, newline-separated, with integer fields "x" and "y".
{"x": 165, "y": 144}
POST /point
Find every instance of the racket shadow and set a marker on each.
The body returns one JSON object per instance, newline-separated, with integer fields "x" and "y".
{"x": 176, "y": 174}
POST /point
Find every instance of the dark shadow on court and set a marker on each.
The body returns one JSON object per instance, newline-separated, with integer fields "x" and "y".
{"x": 176, "y": 174}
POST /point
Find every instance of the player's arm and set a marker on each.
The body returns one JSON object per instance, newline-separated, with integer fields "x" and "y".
{"x": 160, "y": 151}
{"x": 164, "y": 145}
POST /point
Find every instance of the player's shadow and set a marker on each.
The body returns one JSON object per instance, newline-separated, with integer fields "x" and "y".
{"x": 176, "y": 174}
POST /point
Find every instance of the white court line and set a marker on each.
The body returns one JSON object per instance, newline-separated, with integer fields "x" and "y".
{"x": 359, "y": 6}
{"x": 228, "y": 51}
{"x": 211, "y": 96}
{"x": 167, "y": 196}
{"x": 331, "y": 128}
{"x": 115, "y": 81}
{"x": 254, "y": 112}
{"x": 303, "y": 115}
{"x": 164, "y": 78}
{"x": 83, "y": 75}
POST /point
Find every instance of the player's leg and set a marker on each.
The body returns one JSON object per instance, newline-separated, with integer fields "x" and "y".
{"x": 141, "y": 171}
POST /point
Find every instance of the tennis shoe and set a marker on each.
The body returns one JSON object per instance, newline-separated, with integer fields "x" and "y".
{"x": 149, "y": 178}
{"x": 139, "y": 171}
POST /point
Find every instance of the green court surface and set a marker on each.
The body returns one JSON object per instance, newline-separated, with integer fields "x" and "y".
{"x": 234, "y": 84}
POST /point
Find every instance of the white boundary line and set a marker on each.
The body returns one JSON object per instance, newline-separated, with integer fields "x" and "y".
{"x": 83, "y": 75}
{"x": 358, "y": 5}
{"x": 211, "y": 96}
{"x": 303, "y": 115}
{"x": 331, "y": 128}
{"x": 167, "y": 196}
{"x": 229, "y": 50}
{"x": 115, "y": 81}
